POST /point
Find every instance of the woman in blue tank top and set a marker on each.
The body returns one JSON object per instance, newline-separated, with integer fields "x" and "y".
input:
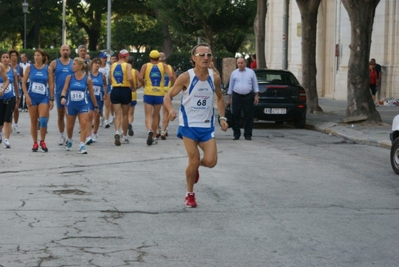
{"x": 7, "y": 98}
{"x": 39, "y": 97}
{"x": 100, "y": 91}
{"x": 76, "y": 85}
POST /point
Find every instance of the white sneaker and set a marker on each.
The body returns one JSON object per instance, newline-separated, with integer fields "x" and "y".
{"x": 101, "y": 121}
{"x": 68, "y": 145}
{"x": 82, "y": 150}
{"x": 94, "y": 137}
{"x": 106, "y": 124}
{"x": 88, "y": 140}
{"x": 15, "y": 129}
{"x": 111, "y": 120}
{"x": 125, "y": 140}
{"x": 62, "y": 140}
{"x": 7, "y": 144}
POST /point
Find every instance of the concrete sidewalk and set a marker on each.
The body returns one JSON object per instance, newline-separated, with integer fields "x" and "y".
{"x": 330, "y": 121}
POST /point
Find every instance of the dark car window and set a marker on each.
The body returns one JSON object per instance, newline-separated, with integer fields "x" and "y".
{"x": 282, "y": 77}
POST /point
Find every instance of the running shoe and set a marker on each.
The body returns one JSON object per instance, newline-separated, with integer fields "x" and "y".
{"x": 166, "y": 133}
{"x": 15, "y": 129}
{"x": 35, "y": 147}
{"x": 82, "y": 150}
{"x": 89, "y": 141}
{"x": 130, "y": 130}
{"x": 117, "y": 139}
{"x": 7, "y": 143}
{"x": 196, "y": 177}
{"x": 158, "y": 133}
{"x": 154, "y": 141}
{"x": 101, "y": 121}
{"x": 149, "y": 139}
{"x": 62, "y": 140}
{"x": 107, "y": 125}
{"x": 163, "y": 135}
{"x": 111, "y": 120}
{"x": 125, "y": 140}
{"x": 190, "y": 200}
{"x": 68, "y": 145}
{"x": 94, "y": 138}
{"x": 43, "y": 146}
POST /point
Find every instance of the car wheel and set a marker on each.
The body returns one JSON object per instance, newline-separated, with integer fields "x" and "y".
{"x": 395, "y": 156}
{"x": 300, "y": 123}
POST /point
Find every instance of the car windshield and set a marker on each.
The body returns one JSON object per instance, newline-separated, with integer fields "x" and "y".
{"x": 276, "y": 77}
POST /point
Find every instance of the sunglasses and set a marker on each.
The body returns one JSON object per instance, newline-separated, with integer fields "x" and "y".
{"x": 203, "y": 55}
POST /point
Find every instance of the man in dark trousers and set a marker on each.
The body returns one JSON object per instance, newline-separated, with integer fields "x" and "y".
{"x": 244, "y": 91}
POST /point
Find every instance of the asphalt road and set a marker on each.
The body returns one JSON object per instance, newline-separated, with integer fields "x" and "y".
{"x": 289, "y": 197}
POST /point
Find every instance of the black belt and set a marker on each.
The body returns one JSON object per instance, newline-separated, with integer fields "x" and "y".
{"x": 242, "y": 94}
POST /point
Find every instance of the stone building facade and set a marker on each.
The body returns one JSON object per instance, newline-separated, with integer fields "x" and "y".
{"x": 333, "y": 39}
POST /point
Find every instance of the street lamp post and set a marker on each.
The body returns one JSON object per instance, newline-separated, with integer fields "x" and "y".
{"x": 25, "y": 7}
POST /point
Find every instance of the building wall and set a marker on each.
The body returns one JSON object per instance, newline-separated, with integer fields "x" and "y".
{"x": 333, "y": 39}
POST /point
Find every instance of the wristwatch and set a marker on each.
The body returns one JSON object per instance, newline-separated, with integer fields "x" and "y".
{"x": 223, "y": 118}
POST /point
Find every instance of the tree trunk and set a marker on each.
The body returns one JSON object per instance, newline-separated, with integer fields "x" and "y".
{"x": 167, "y": 46}
{"x": 309, "y": 10}
{"x": 360, "y": 104}
{"x": 260, "y": 31}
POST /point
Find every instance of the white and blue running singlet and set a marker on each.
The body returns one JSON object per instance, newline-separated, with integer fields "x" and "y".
{"x": 77, "y": 91}
{"x": 38, "y": 81}
{"x": 197, "y": 102}
{"x": 9, "y": 92}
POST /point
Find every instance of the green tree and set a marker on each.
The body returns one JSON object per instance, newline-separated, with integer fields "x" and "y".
{"x": 360, "y": 104}
{"x": 89, "y": 14}
{"x": 208, "y": 18}
{"x": 137, "y": 31}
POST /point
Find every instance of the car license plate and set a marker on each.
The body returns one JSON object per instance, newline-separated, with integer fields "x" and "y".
{"x": 275, "y": 111}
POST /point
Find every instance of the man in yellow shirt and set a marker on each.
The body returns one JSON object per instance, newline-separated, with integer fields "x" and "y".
{"x": 121, "y": 94}
{"x": 152, "y": 77}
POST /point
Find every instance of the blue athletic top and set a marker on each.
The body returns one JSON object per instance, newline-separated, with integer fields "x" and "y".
{"x": 38, "y": 81}
{"x": 61, "y": 72}
{"x": 9, "y": 92}
{"x": 77, "y": 90}
{"x": 98, "y": 84}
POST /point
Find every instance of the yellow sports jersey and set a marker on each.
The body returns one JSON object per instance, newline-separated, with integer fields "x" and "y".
{"x": 119, "y": 75}
{"x": 154, "y": 80}
{"x": 167, "y": 82}
{"x": 134, "y": 77}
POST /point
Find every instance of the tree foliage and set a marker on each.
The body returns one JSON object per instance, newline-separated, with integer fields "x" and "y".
{"x": 208, "y": 18}
{"x": 137, "y": 31}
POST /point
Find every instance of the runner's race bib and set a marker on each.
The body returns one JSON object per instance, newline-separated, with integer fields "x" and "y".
{"x": 97, "y": 90}
{"x": 77, "y": 95}
{"x": 38, "y": 88}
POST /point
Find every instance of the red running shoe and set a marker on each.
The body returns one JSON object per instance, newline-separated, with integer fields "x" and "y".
{"x": 43, "y": 146}
{"x": 190, "y": 200}
{"x": 196, "y": 177}
{"x": 35, "y": 147}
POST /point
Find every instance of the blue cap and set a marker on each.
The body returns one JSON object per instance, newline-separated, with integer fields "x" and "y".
{"x": 102, "y": 55}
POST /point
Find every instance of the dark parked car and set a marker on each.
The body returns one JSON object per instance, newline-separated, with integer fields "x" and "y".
{"x": 281, "y": 98}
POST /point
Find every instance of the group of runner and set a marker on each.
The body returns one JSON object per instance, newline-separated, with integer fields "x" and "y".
{"x": 80, "y": 88}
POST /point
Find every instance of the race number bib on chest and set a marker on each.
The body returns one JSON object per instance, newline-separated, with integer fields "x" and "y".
{"x": 97, "y": 90}
{"x": 202, "y": 99}
{"x": 38, "y": 88}
{"x": 77, "y": 95}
